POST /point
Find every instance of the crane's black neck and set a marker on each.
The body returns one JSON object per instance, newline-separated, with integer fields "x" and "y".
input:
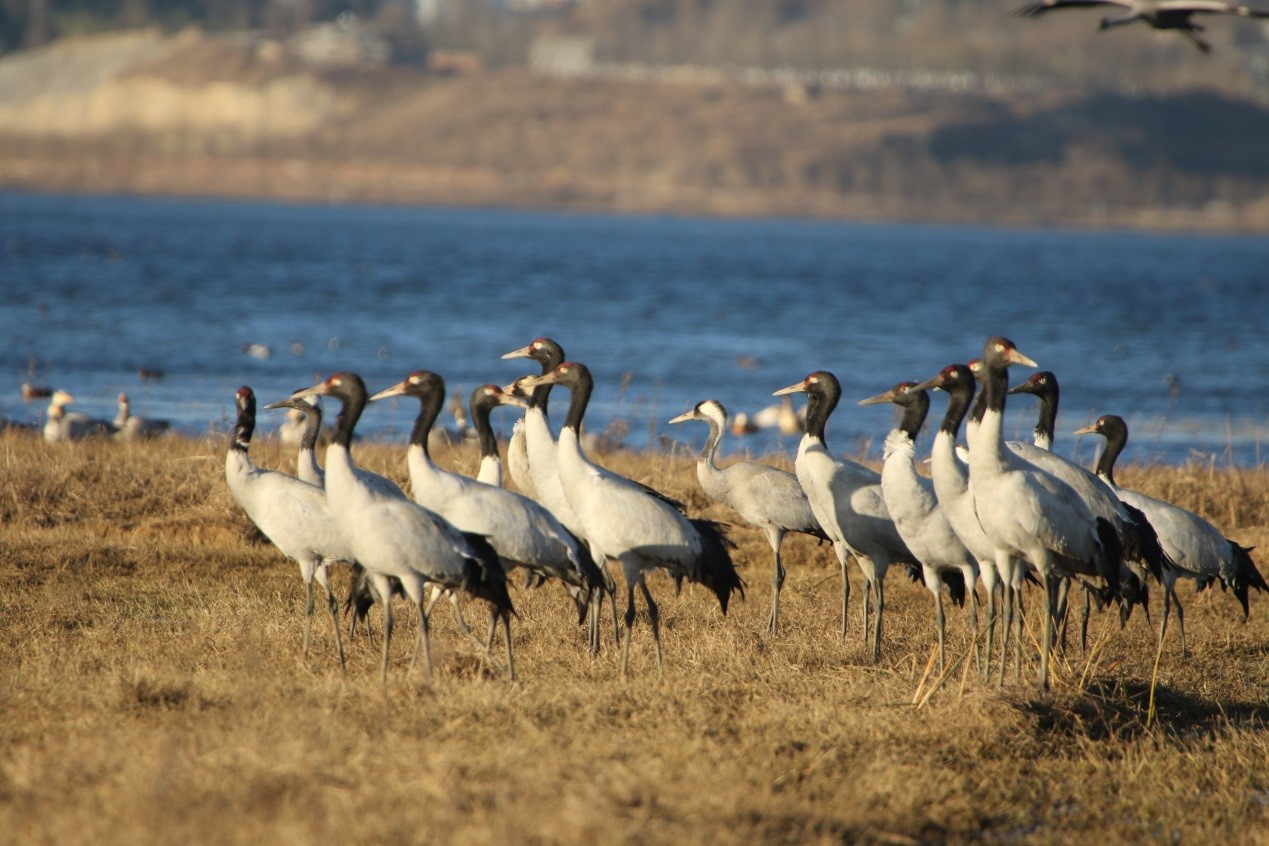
{"x": 430, "y": 397}
{"x": 995, "y": 386}
{"x": 1116, "y": 434}
{"x": 959, "y": 396}
{"x": 351, "y": 393}
{"x": 312, "y": 426}
{"x": 980, "y": 406}
{"x": 245, "y": 425}
{"x": 581, "y": 386}
{"x": 916, "y": 406}
{"x": 549, "y": 355}
{"x": 821, "y": 398}
{"x": 481, "y": 407}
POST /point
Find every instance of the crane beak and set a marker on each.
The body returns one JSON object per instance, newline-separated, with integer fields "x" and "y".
{"x": 1087, "y": 430}
{"x": 1018, "y": 389}
{"x": 523, "y": 352}
{"x": 880, "y": 399}
{"x": 317, "y": 390}
{"x": 505, "y": 397}
{"x": 799, "y": 388}
{"x": 685, "y": 416}
{"x": 1016, "y": 357}
{"x": 530, "y": 382}
{"x": 286, "y": 403}
{"x": 929, "y": 384}
{"x": 395, "y": 391}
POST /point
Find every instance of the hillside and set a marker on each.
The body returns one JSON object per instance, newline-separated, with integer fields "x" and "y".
{"x": 243, "y": 115}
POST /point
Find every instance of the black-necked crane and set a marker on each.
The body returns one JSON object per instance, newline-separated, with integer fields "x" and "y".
{"x": 1158, "y": 14}
{"x": 63, "y": 425}
{"x": 951, "y": 486}
{"x": 306, "y": 467}
{"x": 517, "y": 449}
{"x": 914, "y": 507}
{"x": 393, "y": 537}
{"x": 1143, "y": 555}
{"x": 1197, "y": 549}
{"x": 484, "y": 399}
{"x": 292, "y": 514}
{"x": 524, "y": 533}
{"x": 1028, "y": 513}
{"x": 847, "y": 501}
{"x": 766, "y": 497}
{"x": 631, "y": 523}
{"x": 129, "y": 427}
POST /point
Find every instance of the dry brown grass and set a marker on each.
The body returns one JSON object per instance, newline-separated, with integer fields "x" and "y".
{"x": 153, "y": 691}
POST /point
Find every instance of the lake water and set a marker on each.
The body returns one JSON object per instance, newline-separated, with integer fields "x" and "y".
{"x": 1165, "y": 330}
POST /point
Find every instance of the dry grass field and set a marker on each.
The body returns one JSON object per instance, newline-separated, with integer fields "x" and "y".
{"x": 153, "y": 691}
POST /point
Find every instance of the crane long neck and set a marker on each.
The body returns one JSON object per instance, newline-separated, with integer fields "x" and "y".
{"x": 429, "y": 409}
{"x": 312, "y": 427}
{"x": 711, "y": 445}
{"x": 542, "y": 393}
{"x": 914, "y": 414}
{"x": 819, "y": 405}
{"x": 1115, "y": 442}
{"x": 581, "y": 389}
{"x": 244, "y": 427}
{"x": 1047, "y": 421}
{"x": 959, "y": 398}
{"x": 980, "y": 406}
{"x": 352, "y": 401}
{"x": 484, "y": 429}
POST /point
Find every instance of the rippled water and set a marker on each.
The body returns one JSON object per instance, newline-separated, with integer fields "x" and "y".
{"x": 1166, "y": 330}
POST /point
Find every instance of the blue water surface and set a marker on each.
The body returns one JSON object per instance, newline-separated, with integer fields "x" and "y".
{"x": 1165, "y": 330}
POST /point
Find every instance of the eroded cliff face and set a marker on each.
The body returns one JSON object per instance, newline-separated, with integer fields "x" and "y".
{"x": 110, "y": 84}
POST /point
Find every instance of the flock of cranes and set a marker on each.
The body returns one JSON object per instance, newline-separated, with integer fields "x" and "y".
{"x": 995, "y": 511}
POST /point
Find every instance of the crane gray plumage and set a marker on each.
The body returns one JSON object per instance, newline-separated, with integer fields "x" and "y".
{"x": 847, "y": 500}
{"x": 392, "y": 537}
{"x": 914, "y": 507}
{"x": 1028, "y": 513}
{"x": 1158, "y": 14}
{"x": 766, "y": 497}
{"x": 1196, "y": 548}
{"x": 292, "y": 514}
{"x": 624, "y": 522}
{"x": 524, "y": 533}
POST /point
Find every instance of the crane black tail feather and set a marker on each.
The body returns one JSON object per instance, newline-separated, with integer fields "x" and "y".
{"x": 1246, "y": 576}
{"x": 1141, "y": 543}
{"x": 1112, "y": 557}
{"x": 484, "y": 576}
{"x": 718, "y": 573}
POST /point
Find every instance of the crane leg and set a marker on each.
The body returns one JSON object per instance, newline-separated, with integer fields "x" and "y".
{"x": 506, "y": 636}
{"x": 940, "y": 622}
{"x": 308, "y": 613}
{"x": 985, "y": 667}
{"x": 387, "y": 634}
{"x": 1047, "y": 642}
{"x": 845, "y": 598}
{"x": 1006, "y": 628}
{"x": 1088, "y": 602}
{"x": 1019, "y": 627}
{"x": 423, "y": 641}
{"x": 879, "y": 606}
{"x": 324, "y": 577}
{"x": 630, "y": 616}
{"x": 773, "y": 623}
{"x": 654, "y": 614}
{"x": 1060, "y": 608}
{"x": 867, "y": 611}
{"x": 593, "y": 624}
{"x": 493, "y": 630}
{"x": 1180, "y": 622}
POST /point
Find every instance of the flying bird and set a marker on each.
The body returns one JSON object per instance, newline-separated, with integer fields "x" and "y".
{"x": 1157, "y": 14}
